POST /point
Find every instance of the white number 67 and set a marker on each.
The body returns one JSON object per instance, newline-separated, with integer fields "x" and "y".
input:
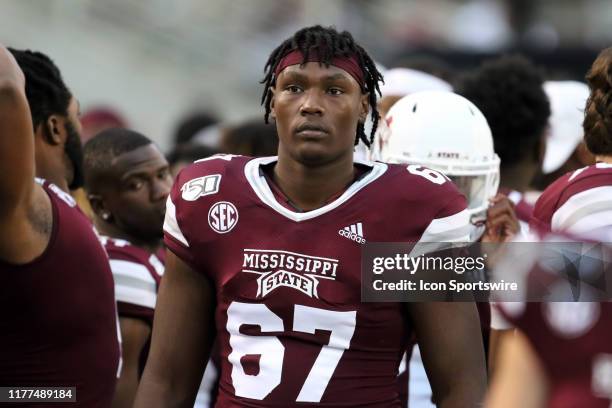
{"x": 434, "y": 176}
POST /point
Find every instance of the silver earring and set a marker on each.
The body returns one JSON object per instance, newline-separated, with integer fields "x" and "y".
{"x": 105, "y": 216}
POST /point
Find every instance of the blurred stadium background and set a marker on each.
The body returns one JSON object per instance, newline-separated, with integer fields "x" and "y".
{"x": 157, "y": 60}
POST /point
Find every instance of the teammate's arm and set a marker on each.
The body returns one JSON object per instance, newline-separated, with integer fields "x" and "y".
{"x": 16, "y": 136}
{"x": 519, "y": 379}
{"x": 18, "y": 191}
{"x": 450, "y": 340}
{"x": 134, "y": 335}
{"x": 183, "y": 332}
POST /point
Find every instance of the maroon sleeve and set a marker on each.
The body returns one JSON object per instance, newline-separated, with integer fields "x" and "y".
{"x": 179, "y": 213}
{"x": 128, "y": 306}
{"x": 195, "y": 189}
{"x": 546, "y": 205}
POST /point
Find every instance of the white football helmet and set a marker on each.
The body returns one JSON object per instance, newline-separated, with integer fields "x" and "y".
{"x": 447, "y": 133}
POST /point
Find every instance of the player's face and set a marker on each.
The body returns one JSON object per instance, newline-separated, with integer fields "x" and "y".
{"x": 137, "y": 194}
{"x": 317, "y": 110}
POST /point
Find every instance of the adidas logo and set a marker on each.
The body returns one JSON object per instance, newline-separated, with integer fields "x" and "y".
{"x": 353, "y": 232}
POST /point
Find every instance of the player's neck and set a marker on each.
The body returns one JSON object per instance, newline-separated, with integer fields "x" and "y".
{"x": 516, "y": 177}
{"x": 49, "y": 164}
{"x": 310, "y": 188}
{"x": 603, "y": 159}
{"x": 54, "y": 177}
{"x": 110, "y": 230}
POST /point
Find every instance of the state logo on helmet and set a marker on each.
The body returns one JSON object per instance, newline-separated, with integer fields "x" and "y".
{"x": 447, "y": 133}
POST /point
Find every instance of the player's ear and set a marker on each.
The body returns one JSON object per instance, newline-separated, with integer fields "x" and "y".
{"x": 99, "y": 207}
{"x": 272, "y": 111}
{"x": 364, "y": 107}
{"x": 53, "y": 129}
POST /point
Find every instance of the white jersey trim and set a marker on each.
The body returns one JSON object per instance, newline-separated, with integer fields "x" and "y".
{"x": 581, "y": 207}
{"x": 171, "y": 224}
{"x": 594, "y": 224}
{"x": 454, "y": 228}
{"x": 261, "y": 188}
{"x": 133, "y": 283}
{"x": 442, "y": 233}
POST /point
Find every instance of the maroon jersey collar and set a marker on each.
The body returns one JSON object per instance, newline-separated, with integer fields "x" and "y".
{"x": 267, "y": 172}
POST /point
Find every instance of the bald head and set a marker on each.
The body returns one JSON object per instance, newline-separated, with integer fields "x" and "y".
{"x": 127, "y": 181}
{"x": 102, "y": 150}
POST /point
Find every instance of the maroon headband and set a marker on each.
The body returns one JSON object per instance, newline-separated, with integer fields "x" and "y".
{"x": 350, "y": 64}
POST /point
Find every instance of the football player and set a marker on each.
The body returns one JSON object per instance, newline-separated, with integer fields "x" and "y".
{"x": 127, "y": 181}
{"x": 267, "y": 251}
{"x": 57, "y": 306}
{"x": 579, "y": 201}
{"x": 509, "y": 92}
{"x": 561, "y": 356}
{"x": 559, "y": 368}
{"x": 460, "y": 147}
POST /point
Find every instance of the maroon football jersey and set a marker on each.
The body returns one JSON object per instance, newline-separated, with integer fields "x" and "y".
{"x": 137, "y": 274}
{"x": 290, "y": 323}
{"x": 574, "y": 344}
{"x": 57, "y": 313}
{"x": 579, "y": 202}
{"x": 573, "y": 340}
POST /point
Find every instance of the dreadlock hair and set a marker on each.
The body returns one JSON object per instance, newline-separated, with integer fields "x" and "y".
{"x": 46, "y": 91}
{"x": 100, "y": 151}
{"x": 329, "y": 44}
{"x": 597, "y": 122}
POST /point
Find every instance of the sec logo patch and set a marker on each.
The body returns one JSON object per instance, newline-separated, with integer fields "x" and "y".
{"x": 222, "y": 217}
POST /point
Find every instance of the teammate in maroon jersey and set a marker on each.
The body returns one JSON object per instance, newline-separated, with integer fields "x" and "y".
{"x": 127, "y": 180}
{"x": 562, "y": 355}
{"x": 509, "y": 92}
{"x": 268, "y": 250}
{"x": 57, "y": 310}
{"x": 560, "y": 368}
{"x": 460, "y": 147}
{"x": 579, "y": 202}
